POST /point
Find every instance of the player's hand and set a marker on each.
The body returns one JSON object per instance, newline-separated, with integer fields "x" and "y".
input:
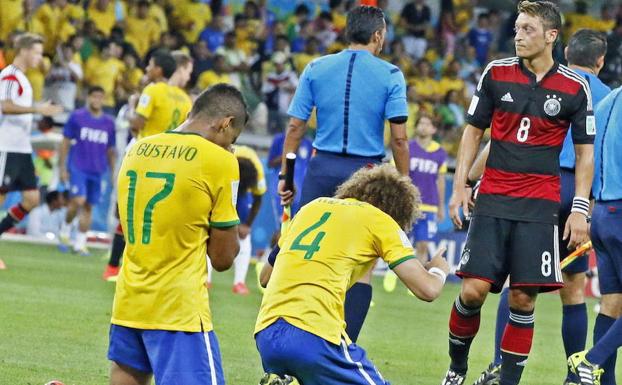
{"x": 49, "y": 109}
{"x": 460, "y": 198}
{"x": 439, "y": 261}
{"x": 287, "y": 197}
{"x": 243, "y": 230}
{"x": 577, "y": 230}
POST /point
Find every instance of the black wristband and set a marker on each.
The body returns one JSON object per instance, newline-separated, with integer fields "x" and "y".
{"x": 471, "y": 183}
{"x": 281, "y": 176}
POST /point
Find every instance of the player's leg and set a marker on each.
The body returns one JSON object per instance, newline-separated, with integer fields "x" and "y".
{"x": 77, "y": 199}
{"x": 358, "y": 300}
{"x": 84, "y": 224}
{"x": 130, "y": 363}
{"x": 184, "y": 358}
{"x": 574, "y": 314}
{"x": 17, "y": 172}
{"x": 240, "y": 263}
{"x": 483, "y": 270}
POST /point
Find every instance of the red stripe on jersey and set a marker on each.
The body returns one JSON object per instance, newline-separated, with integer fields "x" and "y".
{"x": 541, "y": 132}
{"x": 509, "y": 73}
{"x": 561, "y": 83}
{"x": 13, "y": 78}
{"x": 520, "y": 185}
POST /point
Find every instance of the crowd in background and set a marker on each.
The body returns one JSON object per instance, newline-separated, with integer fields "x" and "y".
{"x": 441, "y": 49}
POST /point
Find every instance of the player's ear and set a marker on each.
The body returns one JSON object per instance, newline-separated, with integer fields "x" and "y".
{"x": 224, "y": 123}
{"x": 551, "y": 35}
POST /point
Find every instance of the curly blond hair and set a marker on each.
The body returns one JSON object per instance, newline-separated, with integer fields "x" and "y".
{"x": 385, "y": 188}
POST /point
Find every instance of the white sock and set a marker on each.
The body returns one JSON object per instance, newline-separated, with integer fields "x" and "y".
{"x": 242, "y": 260}
{"x": 80, "y": 241}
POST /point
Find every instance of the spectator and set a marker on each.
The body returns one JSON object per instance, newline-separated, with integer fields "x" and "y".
{"x": 90, "y": 136}
{"x": 312, "y": 51}
{"x": 104, "y": 15}
{"x": 400, "y": 58}
{"x": 46, "y": 220}
{"x": 481, "y": 38}
{"x": 299, "y": 42}
{"x": 132, "y": 74}
{"x": 295, "y": 23}
{"x": 338, "y": 13}
{"x": 214, "y": 35}
{"x": 142, "y": 31}
{"x": 203, "y": 60}
{"x": 424, "y": 83}
{"x": 324, "y": 30}
{"x": 216, "y": 75}
{"x": 451, "y": 111}
{"x": 278, "y": 88}
{"x": 106, "y": 70}
{"x": 191, "y": 18}
{"x": 235, "y": 59}
{"x": 55, "y": 19}
{"x": 450, "y": 81}
{"x": 448, "y": 31}
{"x": 415, "y": 19}
{"x": 157, "y": 11}
{"x": 63, "y": 78}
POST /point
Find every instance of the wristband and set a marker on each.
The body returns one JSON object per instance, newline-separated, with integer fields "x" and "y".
{"x": 439, "y": 273}
{"x": 281, "y": 176}
{"x": 580, "y": 205}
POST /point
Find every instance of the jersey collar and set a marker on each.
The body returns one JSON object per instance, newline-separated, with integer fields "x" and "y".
{"x": 532, "y": 76}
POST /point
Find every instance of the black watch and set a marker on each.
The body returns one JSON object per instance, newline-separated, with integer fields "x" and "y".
{"x": 588, "y": 218}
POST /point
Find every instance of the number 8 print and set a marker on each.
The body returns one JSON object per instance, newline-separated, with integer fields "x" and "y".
{"x": 546, "y": 264}
{"x": 523, "y": 130}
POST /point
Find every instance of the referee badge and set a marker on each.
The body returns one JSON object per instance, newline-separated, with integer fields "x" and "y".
{"x": 552, "y": 106}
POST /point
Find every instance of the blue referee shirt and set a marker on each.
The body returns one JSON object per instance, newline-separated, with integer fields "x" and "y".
{"x": 353, "y": 92}
{"x": 599, "y": 90}
{"x": 607, "y": 146}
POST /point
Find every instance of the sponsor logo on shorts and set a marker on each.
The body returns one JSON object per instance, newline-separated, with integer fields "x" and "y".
{"x": 466, "y": 254}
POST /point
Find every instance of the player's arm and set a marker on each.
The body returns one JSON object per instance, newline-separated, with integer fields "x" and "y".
{"x": 45, "y": 108}
{"x": 396, "y": 112}
{"x": 399, "y": 146}
{"x": 111, "y": 154}
{"x": 460, "y": 197}
{"x": 265, "y": 274}
{"x": 426, "y": 285}
{"x": 477, "y": 170}
{"x": 441, "y": 184}
{"x": 222, "y": 247}
{"x": 143, "y": 110}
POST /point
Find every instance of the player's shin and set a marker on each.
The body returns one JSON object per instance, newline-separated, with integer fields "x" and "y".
{"x": 463, "y": 326}
{"x": 13, "y": 216}
{"x": 515, "y": 345}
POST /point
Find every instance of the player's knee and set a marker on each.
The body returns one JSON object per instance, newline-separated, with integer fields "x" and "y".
{"x": 573, "y": 291}
{"x": 523, "y": 299}
{"x": 611, "y": 305}
{"x": 473, "y": 295}
{"x": 31, "y": 199}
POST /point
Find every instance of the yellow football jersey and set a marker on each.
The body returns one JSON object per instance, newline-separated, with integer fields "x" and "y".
{"x": 164, "y": 108}
{"x": 172, "y": 188}
{"x": 319, "y": 261}
{"x": 250, "y": 154}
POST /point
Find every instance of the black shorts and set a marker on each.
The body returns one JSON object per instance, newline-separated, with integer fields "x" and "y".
{"x": 526, "y": 251}
{"x": 17, "y": 172}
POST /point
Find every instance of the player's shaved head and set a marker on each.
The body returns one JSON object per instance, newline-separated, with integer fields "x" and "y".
{"x": 385, "y": 188}
{"x": 221, "y": 101}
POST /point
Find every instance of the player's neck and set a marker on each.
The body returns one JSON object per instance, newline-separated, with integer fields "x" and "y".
{"x": 539, "y": 65}
{"x": 584, "y": 69}
{"x": 20, "y": 63}
{"x": 364, "y": 47}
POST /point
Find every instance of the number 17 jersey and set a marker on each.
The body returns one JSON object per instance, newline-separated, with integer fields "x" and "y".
{"x": 172, "y": 188}
{"x": 528, "y": 120}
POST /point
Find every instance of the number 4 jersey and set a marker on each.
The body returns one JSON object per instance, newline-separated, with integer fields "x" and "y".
{"x": 329, "y": 245}
{"x": 172, "y": 188}
{"x": 164, "y": 108}
{"x": 529, "y": 121}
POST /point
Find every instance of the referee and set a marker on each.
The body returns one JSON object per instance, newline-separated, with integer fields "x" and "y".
{"x": 353, "y": 92}
{"x": 606, "y": 234}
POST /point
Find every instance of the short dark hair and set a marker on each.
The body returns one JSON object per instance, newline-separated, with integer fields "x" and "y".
{"x": 301, "y": 9}
{"x": 93, "y": 89}
{"x": 585, "y": 47}
{"x": 26, "y": 41}
{"x": 248, "y": 175}
{"x": 221, "y": 100}
{"x": 51, "y": 196}
{"x": 165, "y": 60}
{"x": 362, "y": 22}
{"x": 545, "y": 10}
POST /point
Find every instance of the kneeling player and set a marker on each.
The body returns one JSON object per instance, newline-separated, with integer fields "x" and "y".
{"x": 330, "y": 244}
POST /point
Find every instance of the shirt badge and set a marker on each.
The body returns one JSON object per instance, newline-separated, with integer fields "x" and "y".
{"x": 552, "y": 106}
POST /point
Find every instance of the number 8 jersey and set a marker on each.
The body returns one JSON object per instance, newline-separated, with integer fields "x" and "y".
{"x": 172, "y": 188}
{"x": 528, "y": 121}
{"x": 329, "y": 245}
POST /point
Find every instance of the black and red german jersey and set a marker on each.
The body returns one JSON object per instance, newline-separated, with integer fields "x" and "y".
{"x": 528, "y": 121}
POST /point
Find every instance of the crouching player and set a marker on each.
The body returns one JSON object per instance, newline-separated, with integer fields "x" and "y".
{"x": 329, "y": 245}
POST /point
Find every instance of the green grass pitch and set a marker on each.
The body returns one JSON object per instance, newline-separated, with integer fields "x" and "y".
{"x": 55, "y": 312}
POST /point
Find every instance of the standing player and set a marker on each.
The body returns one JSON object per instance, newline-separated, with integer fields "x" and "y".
{"x": 353, "y": 92}
{"x": 607, "y": 240}
{"x": 427, "y": 171}
{"x": 300, "y": 328}
{"x": 17, "y": 171}
{"x": 180, "y": 78}
{"x": 586, "y": 56}
{"x": 529, "y": 102}
{"x": 87, "y": 152}
{"x": 177, "y": 195}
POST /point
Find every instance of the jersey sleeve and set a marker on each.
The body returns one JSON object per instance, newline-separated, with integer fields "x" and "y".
{"x": 396, "y": 102}
{"x": 70, "y": 129}
{"x": 583, "y": 124}
{"x": 391, "y": 242}
{"x": 9, "y": 87}
{"x": 482, "y": 105}
{"x": 146, "y": 101}
{"x": 224, "y": 189}
{"x": 302, "y": 103}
